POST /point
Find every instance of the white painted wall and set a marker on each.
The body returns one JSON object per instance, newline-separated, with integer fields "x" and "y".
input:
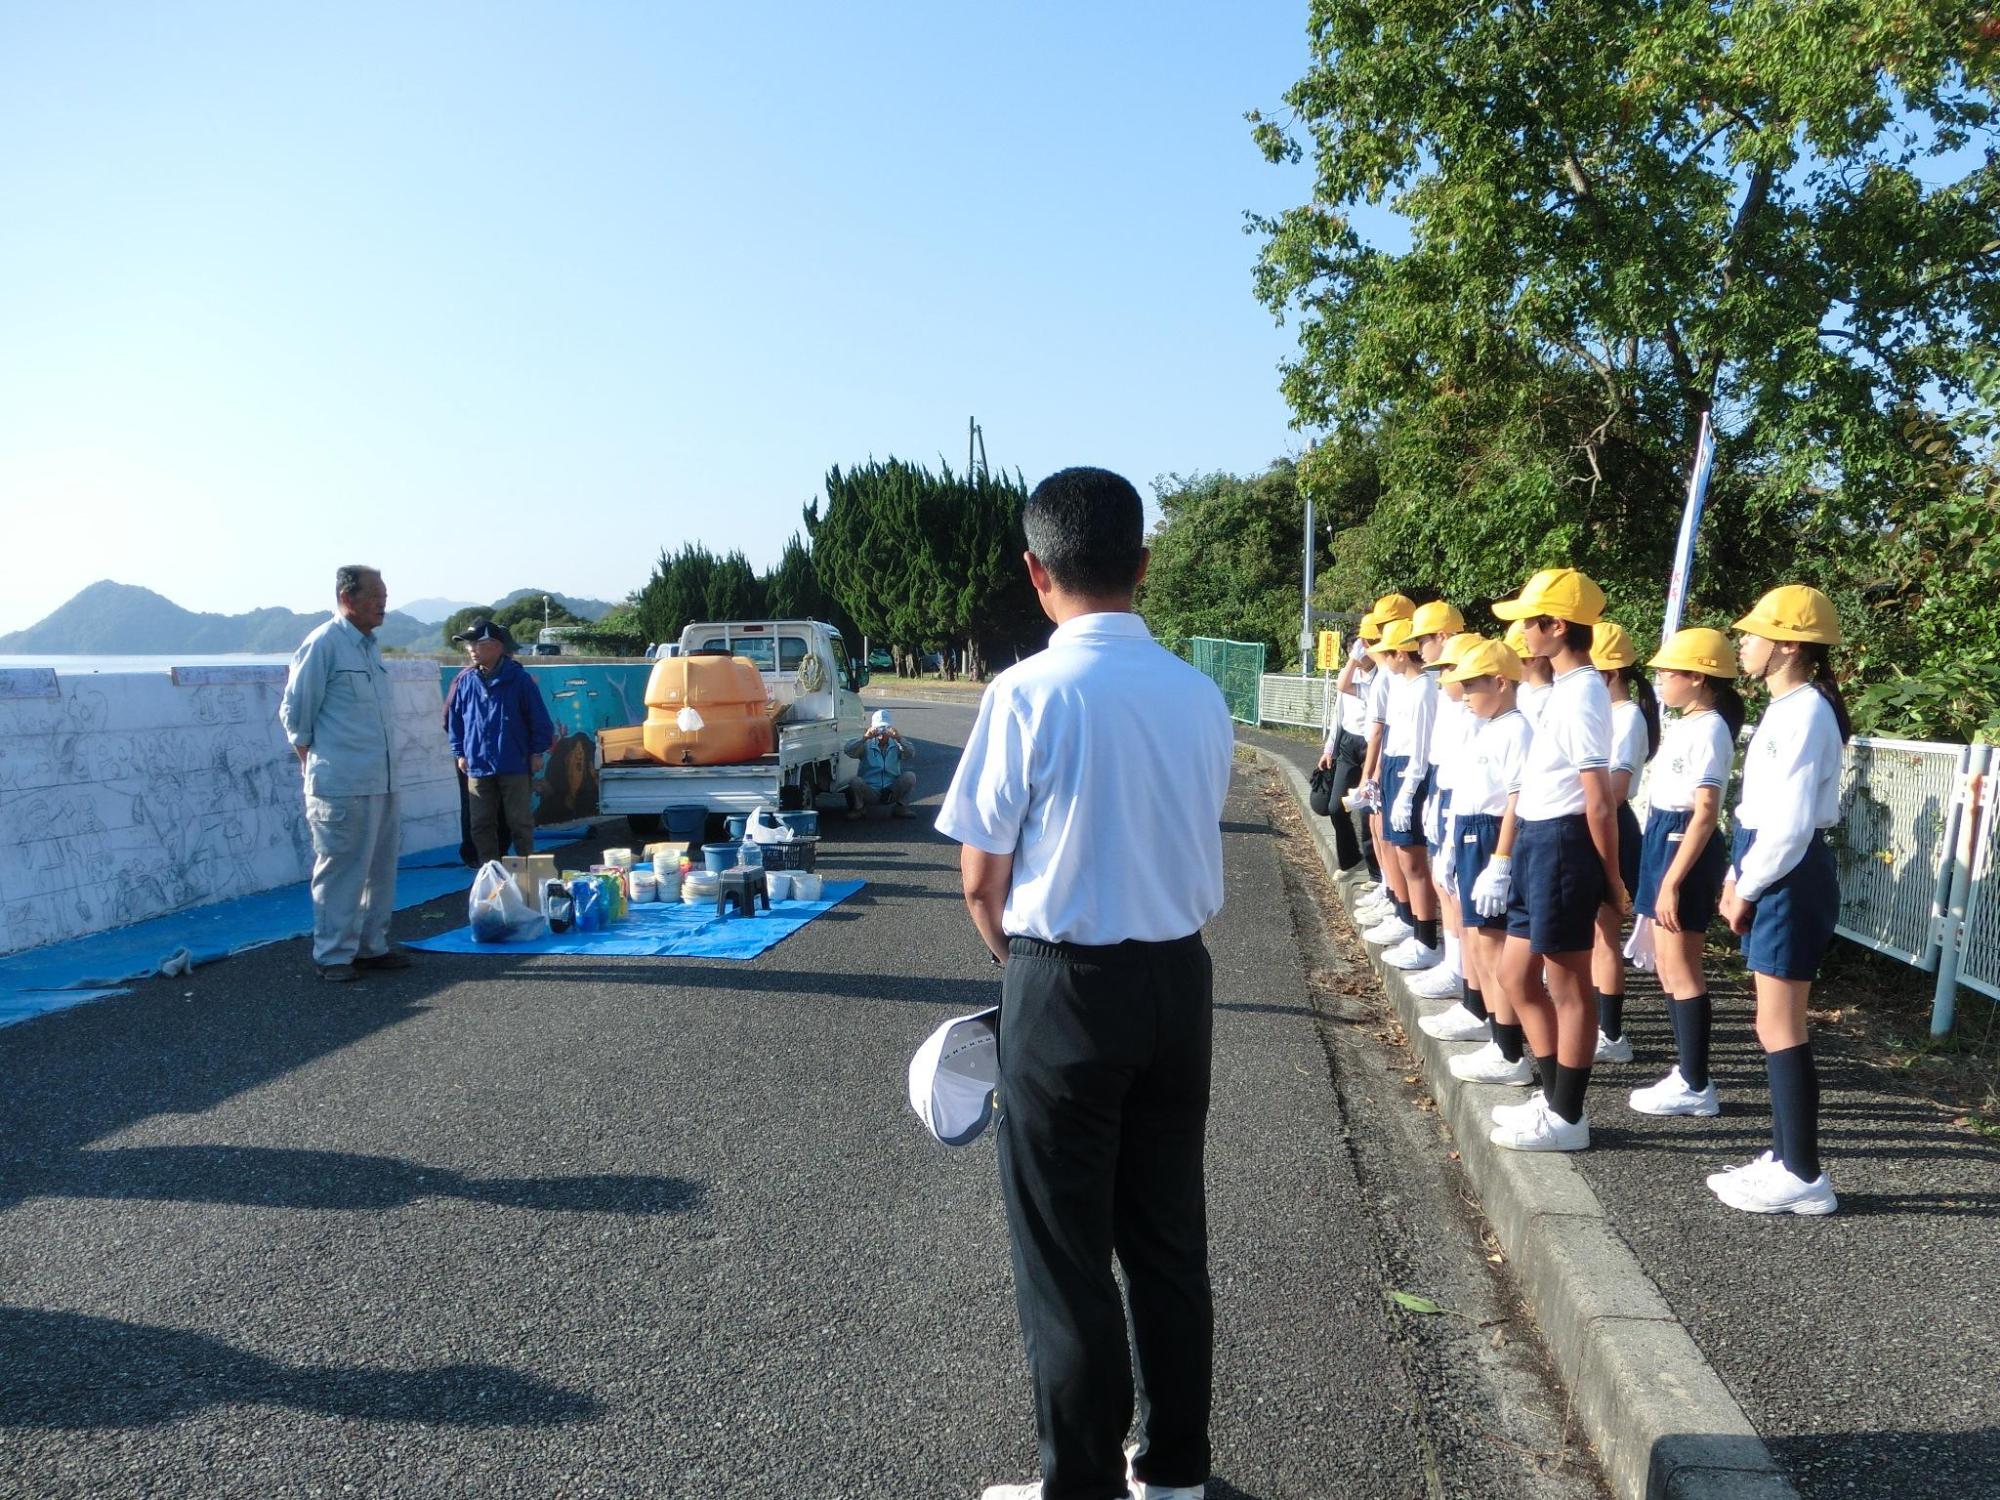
{"x": 129, "y": 795}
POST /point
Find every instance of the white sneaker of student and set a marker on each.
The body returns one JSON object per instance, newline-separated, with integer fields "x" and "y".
{"x": 1374, "y": 912}
{"x": 1613, "y": 1049}
{"x": 1534, "y": 1104}
{"x": 1777, "y": 1190}
{"x": 1454, "y": 1025}
{"x": 1545, "y": 1130}
{"x": 1439, "y": 983}
{"x": 1756, "y": 1167}
{"x": 1392, "y": 930}
{"x": 1012, "y": 1491}
{"x": 1489, "y": 1065}
{"x": 1140, "y": 1490}
{"x": 1672, "y": 1096}
{"x": 1413, "y": 954}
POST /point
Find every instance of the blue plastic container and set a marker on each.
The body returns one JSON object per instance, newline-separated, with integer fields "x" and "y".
{"x": 685, "y": 821}
{"x": 716, "y": 858}
{"x": 804, "y": 824}
{"x": 736, "y": 826}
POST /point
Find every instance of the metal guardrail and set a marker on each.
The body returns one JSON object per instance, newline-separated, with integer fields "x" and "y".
{"x": 1971, "y": 939}
{"x": 1306, "y": 701}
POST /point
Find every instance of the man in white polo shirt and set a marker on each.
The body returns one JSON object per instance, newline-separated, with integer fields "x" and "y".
{"x": 1089, "y": 803}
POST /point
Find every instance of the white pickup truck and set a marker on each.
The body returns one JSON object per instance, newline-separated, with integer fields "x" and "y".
{"x": 816, "y": 689}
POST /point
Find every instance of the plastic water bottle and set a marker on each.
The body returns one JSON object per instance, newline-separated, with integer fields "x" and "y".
{"x": 750, "y": 855}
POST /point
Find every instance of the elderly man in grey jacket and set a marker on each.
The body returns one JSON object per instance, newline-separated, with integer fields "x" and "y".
{"x": 339, "y": 714}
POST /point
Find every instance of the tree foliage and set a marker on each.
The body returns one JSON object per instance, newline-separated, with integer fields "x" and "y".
{"x": 693, "y": 585}
{"x": 1626, "y": 215}
{"x": 523, "y": 617}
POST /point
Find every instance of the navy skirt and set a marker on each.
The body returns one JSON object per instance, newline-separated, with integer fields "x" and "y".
{"x": 1792, "y": 923}
{"x": 1558, "y": 885}
{"x": 1394, "y": 769}
{"x": 1629, "y": 843}
{"x": 1477, "y": 835}
{"x": 1701, "y": 890}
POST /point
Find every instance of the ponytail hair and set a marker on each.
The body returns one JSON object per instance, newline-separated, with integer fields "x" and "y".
{"x": 1728, "y": 703}
{"x": 1649, "y": 705}
{"x": 1821, "y": 658}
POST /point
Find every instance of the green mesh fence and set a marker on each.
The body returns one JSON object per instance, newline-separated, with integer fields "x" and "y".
{"x": 1234, "y": 666}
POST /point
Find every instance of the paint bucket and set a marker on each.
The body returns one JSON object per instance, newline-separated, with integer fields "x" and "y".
{"x": 645, "y": 887}
{"x": 622, "y": 858}
{"x": 700, "y": 886}
{"x": 778, "y": 883}
{"x": 806, "y": 886}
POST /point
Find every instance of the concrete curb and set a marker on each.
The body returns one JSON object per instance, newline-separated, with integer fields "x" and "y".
{"x": 1663, "y": 1424}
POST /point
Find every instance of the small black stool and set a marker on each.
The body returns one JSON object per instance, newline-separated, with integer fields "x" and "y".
{"x": 742, "y": 885}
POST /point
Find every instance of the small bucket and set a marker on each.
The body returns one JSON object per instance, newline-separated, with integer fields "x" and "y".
{"x": 779, "y": 884}
{"x": 804, "y": 824}
{"x": 806, "y": 886}
{"x": 716, "y": 858}
{"x": 736, "y": 824}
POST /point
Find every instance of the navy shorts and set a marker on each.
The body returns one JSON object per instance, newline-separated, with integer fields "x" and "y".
{"x": 1792, "y": 923}
{"x": 1701, "y": 890}
{"x": 1394, "y": 768}
{"x": 1558, "y": 885}
{"x": 1477, "y": 836}
{"x": 1431, "y": 789}
{"x": 1629, "y": 844}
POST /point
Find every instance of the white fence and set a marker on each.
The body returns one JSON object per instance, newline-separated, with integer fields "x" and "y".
{"x": 1917, "y": 845}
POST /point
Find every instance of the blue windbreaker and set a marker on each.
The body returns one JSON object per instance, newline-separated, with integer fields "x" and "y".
{"x": 497, "y": 723}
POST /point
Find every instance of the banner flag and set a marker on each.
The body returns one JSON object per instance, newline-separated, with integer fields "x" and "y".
{"x": 1704, "y": 461}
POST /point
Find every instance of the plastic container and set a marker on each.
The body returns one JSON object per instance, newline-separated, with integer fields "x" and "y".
{"x": 700, "y": 886}
{"x": 645, "y": 887}
{"x": 807, "y": 887}
{"x": 715, "y": 858}
{"x": 731, "y": 722}
{"x": 622, "y": 858}
{"x": 799, "y": 854}
{"x": 778, "y": 884}
{"x": 736, "y": 824}
{"x": 804, "y": 824}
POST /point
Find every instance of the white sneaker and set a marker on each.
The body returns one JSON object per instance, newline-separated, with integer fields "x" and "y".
{"x": 1455, "y": 1025}
{"x": 1545, "y": 1130}
{"x": 1672, "y": 1096}
{"x": 1140, "y": 1490}
{"x": 1374, "y": 912}
{"x": 1490, "y": 1065}
{"x": 1439, "y": 983}
{"x": 1613, "y": 1049}
{"x": 1534, "y": 1104}
{"x": 1776, "y": 1190}
{"x": 1412, "y": 954}
{"x": 1393, "y": 930}
{"x": 1012, "y": 1491}
{"x": 1717, "y": 1181}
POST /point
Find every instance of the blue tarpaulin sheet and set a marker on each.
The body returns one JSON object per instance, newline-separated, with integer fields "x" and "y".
{"x": 89, "y": 968}
{"x": 666, "y": 929}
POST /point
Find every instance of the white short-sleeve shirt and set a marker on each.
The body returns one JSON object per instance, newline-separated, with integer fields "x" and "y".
{"x": 1490, "y": 767}
{"x": 1413, "y": 701}
{"x": 1529, "y": 699}
{"x": 1574, "y": 736}
{"x": 1695, "y": 751}
{"x": 1354, "y": 705}
{"x": 1378, "y": 696}
{"x": 1628, "y": 739}
{"x": 1791, "y": 786}
{"x": 1451, "y": 732}
{"x": 1101, "y": 765}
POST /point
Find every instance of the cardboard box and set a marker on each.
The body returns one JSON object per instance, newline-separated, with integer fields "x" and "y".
{"x": 673, "y": 849}
{"x": 529, "y": 871}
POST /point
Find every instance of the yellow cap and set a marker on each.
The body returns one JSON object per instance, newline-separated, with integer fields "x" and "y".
{"x": 1697, "y": 650}
{"x": 1369, "y": 628}
{"x": 1436, "y": 617}
{"x": 1563, "y": 593}
{"x": 1486, "y": 659}
{"x": 1393, "y": 607}
{"x": 1395, "y": 637}
{"x": 1795, "y": 612}
{"x": 1611, "y": 647}
{"x": 1454, "y": 648}
{"x": 1516, "y": 639}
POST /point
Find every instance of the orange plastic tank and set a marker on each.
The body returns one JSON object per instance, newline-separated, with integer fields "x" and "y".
{"x": 727, "y": 693}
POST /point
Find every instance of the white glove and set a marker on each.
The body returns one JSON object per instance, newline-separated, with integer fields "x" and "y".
{"x": 1406, "y": 804}
{"x": 1366, "y": 797}
{"x": 1494, "y": 887}
{"x": 1433, "y": 821}
{"x": 1639, "y": 947}
{"x": 1357, "y": 650}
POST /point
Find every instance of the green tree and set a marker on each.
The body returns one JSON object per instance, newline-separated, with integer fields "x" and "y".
{"x": 1626, "y": 215}
{"x": 523, "y": 618}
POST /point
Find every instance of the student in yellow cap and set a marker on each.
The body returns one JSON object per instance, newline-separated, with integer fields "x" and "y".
{"x": 1635, "y": 736}
{"x": 1563, "y": 864}
{"x": 1536, "y": 675}
{"x": 1439, "y": 637}
{"x": 1384, "y": 901}
{"x": 1682, "y": 860}
{"x": 1404, "y": 761}
{"x": 1344, "y": 750}
{"x": 1485, "y": 782}
{"x": 1782, "y": 893}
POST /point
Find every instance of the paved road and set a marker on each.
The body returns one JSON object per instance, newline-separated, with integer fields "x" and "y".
{"x": 506, "y": 1226}
{"x": 1862, "y": 1346}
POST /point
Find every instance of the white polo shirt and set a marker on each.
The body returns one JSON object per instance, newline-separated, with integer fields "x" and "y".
{"x": 1412, "y": 710}
{"x": 1490, "y": 768}
{"x": 1695, "y": 751}
{"x": 1378, "y": 698}
{"x": 1574, "y": 736}
{"x": 1101, "y": 765}
{"x": 1529, "y": 698}
{"x": 1628, "y": 739}
{"x": 1354, "y": 705}
{"x": 1450, "y": 732}
{"x": 1791, "y": 786}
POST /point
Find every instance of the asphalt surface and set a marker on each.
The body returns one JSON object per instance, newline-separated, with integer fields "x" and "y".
{"x": 562, "y": 1226}
{"x": 1863, "y": 1346}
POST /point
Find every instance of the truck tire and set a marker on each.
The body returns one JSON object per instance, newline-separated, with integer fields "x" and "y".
{"x": 791, "y": 798}
{"x": 643, "y": 825}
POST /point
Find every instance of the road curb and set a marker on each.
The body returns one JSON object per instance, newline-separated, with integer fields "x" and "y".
{"x": 1663, "y": 1424}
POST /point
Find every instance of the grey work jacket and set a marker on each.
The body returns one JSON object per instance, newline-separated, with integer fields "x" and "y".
{"x": 340, "y": 705}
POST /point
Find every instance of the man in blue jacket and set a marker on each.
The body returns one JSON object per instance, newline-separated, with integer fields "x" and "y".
{"x": 500, "y": 730}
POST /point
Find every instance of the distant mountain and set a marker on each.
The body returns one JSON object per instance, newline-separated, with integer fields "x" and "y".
{"x": 117, "y": 619}
{"x": 434, "y": 611}
{"x": 583, "y": 609}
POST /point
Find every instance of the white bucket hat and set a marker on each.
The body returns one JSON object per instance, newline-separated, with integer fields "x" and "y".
{"x": 952, "y": 1077}
{"x": 878, "y": 720}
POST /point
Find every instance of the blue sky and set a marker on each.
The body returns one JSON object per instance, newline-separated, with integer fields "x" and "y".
{"x": 498, "y": 295}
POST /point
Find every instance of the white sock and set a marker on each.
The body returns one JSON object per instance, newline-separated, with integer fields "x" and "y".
{"x": 1453, "y": 959}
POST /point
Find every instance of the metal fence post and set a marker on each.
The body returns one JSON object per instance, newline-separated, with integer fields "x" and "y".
{"x": 1960, "y": 852}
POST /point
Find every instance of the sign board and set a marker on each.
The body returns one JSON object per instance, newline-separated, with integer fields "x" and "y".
{"x": 1329, "y": 650}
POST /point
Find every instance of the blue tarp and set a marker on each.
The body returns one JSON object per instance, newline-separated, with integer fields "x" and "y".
{"x": 88, "y": 968}
{"x": 665, "y": 929}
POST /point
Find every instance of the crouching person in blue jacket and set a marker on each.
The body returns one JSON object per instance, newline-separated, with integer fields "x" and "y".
{"x": 500, "y": 731}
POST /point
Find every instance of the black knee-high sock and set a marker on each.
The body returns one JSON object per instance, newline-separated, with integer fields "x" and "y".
{"x": 1693, "y": 1019}
{"x": 1567, "y": 1100}
{"x": 1795, "y": 1080}
{"x": 1510, "y": 1040}
{"x": 1545, "y": 1075}
{"x": 1428, "y": 930}
{"x": 1475, "y": 1001}
{"x": 1611, "y": 1014}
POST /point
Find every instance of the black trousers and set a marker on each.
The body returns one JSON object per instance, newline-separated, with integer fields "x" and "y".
{"x": 1349, "y": 750}
{"x": 1104, "y": 1081}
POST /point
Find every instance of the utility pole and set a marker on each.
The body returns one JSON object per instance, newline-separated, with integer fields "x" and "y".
{"x": 974, "y": 437}
{"x": 1306, "y": 616}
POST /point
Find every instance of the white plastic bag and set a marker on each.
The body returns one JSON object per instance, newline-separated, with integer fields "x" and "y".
{"x": 1639, "y": 947}
{"x": 499, "y": 912}
{"x": 764, "y": 828}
